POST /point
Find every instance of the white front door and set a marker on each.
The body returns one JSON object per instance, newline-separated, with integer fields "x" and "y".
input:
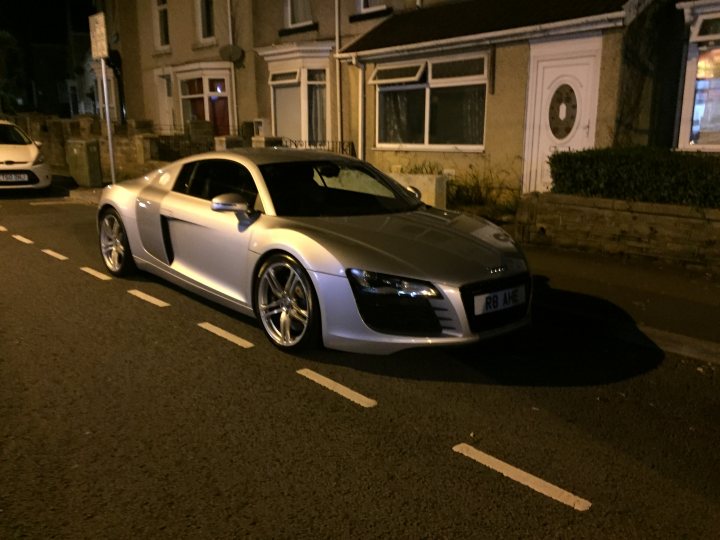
{"x": 562, "y": 104}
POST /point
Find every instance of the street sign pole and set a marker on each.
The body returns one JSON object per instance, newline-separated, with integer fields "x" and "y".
{"x": 108, "y": 122}
{"x": 98, "y": 42}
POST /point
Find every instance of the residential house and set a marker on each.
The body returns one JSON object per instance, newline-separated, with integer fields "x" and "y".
{"x": 492, "y": 87}
{"x": 183, "y": 61}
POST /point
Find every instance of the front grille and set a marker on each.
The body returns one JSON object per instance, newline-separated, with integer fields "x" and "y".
{"x": 397, "y": 315}
{"x": 32, "y": 178}
{"x": 489, "y": 321}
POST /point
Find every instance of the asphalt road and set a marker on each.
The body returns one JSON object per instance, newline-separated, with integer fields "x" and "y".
{"x": 122, "y": 417}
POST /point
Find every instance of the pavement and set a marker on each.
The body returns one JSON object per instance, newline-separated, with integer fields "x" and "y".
{"x": 677, "y": 308}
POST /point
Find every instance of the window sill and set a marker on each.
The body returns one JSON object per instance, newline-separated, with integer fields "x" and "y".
{"x": 444, "y": 148}
{"x": 306, "y": 27}
{"x": 374, "y": 14}
{"x": 206, "y": 44}
{"x": 162, "y": 52}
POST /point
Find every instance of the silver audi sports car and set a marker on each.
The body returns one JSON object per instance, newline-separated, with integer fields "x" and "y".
{"x": 322, "y": 249}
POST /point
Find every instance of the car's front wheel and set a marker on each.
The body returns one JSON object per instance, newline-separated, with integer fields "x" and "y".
{"x": 114, "y": 245}
{"x": 286, "y": 304}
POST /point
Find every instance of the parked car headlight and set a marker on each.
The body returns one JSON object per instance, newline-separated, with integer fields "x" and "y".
{"x": 384, "y": 284}
{"x": 39, "y": 159}
{"x": 394, "y": 304}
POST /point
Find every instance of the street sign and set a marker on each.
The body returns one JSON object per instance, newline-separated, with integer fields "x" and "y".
{"x": 98, "y": 36}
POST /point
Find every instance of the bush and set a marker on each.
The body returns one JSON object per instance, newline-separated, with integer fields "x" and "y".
{"x": 485, "y": 190}
{"x": 639, "y": 174}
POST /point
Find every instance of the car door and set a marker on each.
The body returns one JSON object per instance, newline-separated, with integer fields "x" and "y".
{"x": 205, "y": 246}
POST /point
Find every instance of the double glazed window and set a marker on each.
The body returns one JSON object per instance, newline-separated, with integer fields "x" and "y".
{"x": 297, "y": 13}
{"x": 299, "y": 101}
{"x": 705, "y": 128}
{"x": 435, "y": 103}
{"x": 205, "y": 20}
{"x": 367, "y": 6}
{"x": 162, "y": 27}
{"x": 205, "y": 97}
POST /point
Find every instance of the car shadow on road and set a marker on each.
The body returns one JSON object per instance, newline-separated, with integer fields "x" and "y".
{"x": 60, "y": 188}
{"x": 575, "y": 340}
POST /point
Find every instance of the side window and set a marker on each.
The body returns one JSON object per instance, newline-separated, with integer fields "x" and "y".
{"x": 213, "y": 177}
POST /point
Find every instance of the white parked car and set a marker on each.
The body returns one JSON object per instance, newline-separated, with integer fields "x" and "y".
{"x": 22, "y": 164}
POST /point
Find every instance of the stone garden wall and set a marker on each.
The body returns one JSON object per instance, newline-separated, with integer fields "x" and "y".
{"x": 689, "y": 236}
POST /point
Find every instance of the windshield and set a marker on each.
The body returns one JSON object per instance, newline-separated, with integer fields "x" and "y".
{"x": 9, "y": 134}
{"x": 334, "y": 188}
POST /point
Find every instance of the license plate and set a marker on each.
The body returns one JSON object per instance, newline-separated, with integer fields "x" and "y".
{"x": 13, "y": 177}
{"x": 497, "y": 301}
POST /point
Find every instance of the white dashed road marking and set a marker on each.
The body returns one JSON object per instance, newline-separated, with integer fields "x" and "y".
{"x": 95, "y": 273}
{"x": 56, "y": 203}
{"x": 22, "y": 239}
{"x": 338, "y": 388}
{"x": 147, "y": 298}
{"x": 2, "y": 229}
{"x": 698, "y": 349}
{"x": 55, "y": 254}
{"x": 237, "y": 340}
{"x": 526, "y": 479}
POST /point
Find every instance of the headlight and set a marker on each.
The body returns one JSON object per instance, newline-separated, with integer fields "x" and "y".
{"x": 39, "y": 159}
{"x": 384, "y": 284}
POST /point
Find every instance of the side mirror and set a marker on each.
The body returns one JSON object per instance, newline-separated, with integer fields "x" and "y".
{"x": 415, "y": 191}
{"x": 234, "y": 202}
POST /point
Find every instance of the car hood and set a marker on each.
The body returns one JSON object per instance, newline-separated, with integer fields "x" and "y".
{"x": 17, "y": 153}
{"x": 429, "y": 244}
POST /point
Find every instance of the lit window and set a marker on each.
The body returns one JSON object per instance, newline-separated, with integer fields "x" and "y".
{"x": 440, "y": 103}
{"x": 706, "y": 108}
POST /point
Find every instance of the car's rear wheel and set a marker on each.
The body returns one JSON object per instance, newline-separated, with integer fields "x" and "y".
{"x": 286, "y": 304}
{"x": 114, "y": 245}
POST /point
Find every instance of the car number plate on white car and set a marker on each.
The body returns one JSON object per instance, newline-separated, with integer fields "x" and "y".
{"x": 13, "y": 177}
{"x": 496, "y": 301}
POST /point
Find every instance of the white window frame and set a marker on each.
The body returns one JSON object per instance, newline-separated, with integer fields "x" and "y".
{"x": 363, "y": 7}
{"x": 289, "y": 16}
{"x": 414, "y": 83}
{"x": 200, "y": 23}
{"x": 158, "y": 10}
{"x": 206, "y": 71}
{"x": 300, "y": 69}
{"x": 695, "y": 36}
{"x": 696, "y": 46}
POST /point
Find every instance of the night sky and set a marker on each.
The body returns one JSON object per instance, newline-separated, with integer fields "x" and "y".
{"x": 44, "y": 21}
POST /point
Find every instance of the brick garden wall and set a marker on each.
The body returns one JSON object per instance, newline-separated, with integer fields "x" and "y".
{"x": 685, "y": 235}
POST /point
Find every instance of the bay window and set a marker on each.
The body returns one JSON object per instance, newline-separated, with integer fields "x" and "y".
{"x": 700, "y": 127}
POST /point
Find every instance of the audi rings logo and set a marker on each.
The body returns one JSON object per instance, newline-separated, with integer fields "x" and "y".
{"x": 496, "y": 270}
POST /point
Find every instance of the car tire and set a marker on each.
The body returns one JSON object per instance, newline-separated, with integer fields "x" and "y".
{"x": 114, "y": 245}
{"x": 286, "y": 304}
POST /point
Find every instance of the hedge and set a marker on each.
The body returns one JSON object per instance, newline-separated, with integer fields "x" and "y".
{"x": 639, "y": 174}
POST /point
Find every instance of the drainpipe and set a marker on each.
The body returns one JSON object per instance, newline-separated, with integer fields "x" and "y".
{"x": 338, "y": 75}
{"x": 361, "y": 106}
{"x": 231, "y": 41}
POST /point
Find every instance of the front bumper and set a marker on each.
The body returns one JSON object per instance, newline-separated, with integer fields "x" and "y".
{"x": 344, "y": 328}
{"x": 35, "y": 177}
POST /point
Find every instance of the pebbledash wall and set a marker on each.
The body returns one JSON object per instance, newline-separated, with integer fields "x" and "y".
{"x": 681, "y": 234}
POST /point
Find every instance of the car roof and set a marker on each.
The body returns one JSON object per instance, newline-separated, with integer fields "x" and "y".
{"x": 265, "y": 156}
